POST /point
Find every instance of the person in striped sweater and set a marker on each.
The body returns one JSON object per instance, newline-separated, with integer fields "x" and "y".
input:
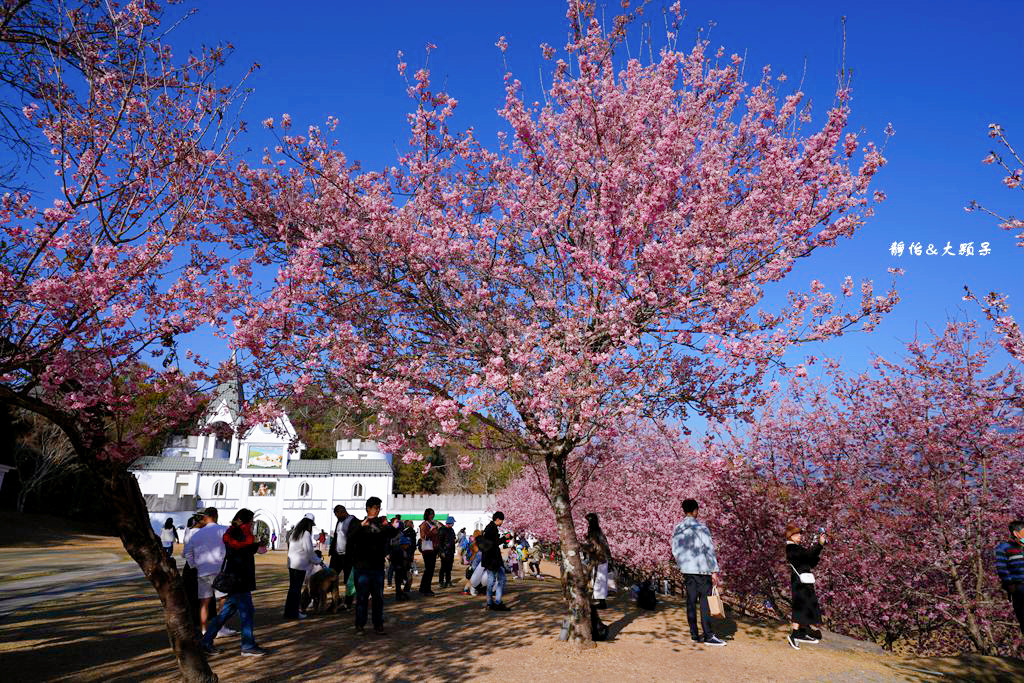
{"x": 1010, "y": 567}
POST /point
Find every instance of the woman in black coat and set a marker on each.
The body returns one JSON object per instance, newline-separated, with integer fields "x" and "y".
{"x": 806, "y": 610}
{"x": 238, "y": 576}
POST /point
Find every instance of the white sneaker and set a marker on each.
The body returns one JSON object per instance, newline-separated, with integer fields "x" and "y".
{"x": 225, "y": 631}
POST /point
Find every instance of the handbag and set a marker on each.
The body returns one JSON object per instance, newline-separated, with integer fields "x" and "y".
{"x": 806, "y": 577}
{"x": 225, "y": 581}
{"x": 715, "y": 606}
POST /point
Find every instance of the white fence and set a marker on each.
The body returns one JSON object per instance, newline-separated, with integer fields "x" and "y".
{"x": 418, "y": 502}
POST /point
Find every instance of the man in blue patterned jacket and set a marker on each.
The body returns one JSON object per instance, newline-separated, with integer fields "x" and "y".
{"x": 694, "y": 553}
{"x": 1010, "y": 566}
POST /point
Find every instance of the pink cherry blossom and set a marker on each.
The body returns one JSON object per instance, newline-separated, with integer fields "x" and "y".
{"x": 102, "y": 285}
{"x": 606, "y": 260}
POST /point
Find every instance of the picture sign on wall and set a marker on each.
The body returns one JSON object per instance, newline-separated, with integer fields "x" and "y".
{"x": 265, "y": 457}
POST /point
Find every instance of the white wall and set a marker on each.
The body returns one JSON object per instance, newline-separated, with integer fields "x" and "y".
{"x": 471, "y": 520}
{"x": 281, "y": 511}
{"x": 159, "y": 483}
{"x": 235, "y": 490}
{"x": 470, "y": 510}
{"x": 157, "y": 519}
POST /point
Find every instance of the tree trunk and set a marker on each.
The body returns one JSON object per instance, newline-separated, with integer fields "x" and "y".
{"x": 133, "y": 527}
{"x": 19, "y": 504}
{"x": 574, "y": 581}
{"x": 973, "y": 631}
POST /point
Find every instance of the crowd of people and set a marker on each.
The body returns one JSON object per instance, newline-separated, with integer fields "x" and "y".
{"x": 219, "y": 573}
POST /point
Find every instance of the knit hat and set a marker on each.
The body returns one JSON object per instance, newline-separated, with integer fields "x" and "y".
{"x": 791, "y": 529}
{"x": 450, "y": 520}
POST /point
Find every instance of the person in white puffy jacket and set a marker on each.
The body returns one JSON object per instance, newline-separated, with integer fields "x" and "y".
{"x": 302, "y": 562}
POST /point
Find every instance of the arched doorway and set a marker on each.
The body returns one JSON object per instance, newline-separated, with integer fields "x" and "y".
{"x": 261, "y": 530}
{"x": 265, "y": 526}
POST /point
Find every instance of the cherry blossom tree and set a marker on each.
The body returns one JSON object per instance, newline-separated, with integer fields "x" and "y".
{"x": 914, "y": 470}
{"x": 609, "y": 258}
{"x": 636, "y": 490}
{"x": 108, "y": 264}
{"x": 994, "y": 305}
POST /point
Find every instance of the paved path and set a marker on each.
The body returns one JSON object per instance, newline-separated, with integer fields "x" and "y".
{"x": 32, "y": 575}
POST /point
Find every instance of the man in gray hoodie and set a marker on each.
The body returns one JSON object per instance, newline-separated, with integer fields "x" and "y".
{"x": 694, "y": 553}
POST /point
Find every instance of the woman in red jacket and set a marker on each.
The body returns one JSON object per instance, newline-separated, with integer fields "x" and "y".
{"x": 237, "y": 578}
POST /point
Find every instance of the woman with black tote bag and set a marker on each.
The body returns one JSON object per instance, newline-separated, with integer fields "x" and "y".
{"x": 237, "y": 578}
{"x": 806, "y": 610}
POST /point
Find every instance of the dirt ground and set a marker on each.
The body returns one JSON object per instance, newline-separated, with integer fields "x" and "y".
{"x": 114, "y": 633}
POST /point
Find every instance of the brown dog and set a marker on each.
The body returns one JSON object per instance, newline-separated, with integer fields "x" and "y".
{"x": 320, "y": 584}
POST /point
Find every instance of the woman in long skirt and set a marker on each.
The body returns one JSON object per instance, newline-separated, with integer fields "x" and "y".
{"x": 806, "y": 610}
{"x": 595, "y": 545}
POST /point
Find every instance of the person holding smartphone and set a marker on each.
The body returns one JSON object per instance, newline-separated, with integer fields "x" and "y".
{"x": 806, "y": 610}
{"x": 369, "y": 542}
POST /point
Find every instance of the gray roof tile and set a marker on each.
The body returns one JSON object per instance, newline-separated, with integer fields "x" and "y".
{"x": 218, "y": 465}
{"x": 166, "y": 463}
{"x": 310, "y": 466}
{"x": 339, "y": 466}
{"x": 177, "y": 463}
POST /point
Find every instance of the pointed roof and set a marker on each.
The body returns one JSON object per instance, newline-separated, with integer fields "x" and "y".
{"x": 230, "y": 394}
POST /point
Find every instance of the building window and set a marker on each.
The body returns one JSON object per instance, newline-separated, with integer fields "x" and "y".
{"x": 304, "y": 490}
{"x": 218, "y": 489}
{"x": 262, "y": 488}
{"x": 357, "y": 491}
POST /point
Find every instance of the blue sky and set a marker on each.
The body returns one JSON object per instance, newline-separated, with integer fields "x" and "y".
{"x": 940, "y": 71}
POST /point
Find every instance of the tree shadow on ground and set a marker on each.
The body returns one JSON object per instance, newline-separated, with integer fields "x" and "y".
{"x": 974, "y": 668}
{"x": 616, "y": 627}
{"x": 25, "y": 530}
{"x": 116, "y": 633}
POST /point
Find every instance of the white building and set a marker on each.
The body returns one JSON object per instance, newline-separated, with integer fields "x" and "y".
{"x": 256, "y": 470}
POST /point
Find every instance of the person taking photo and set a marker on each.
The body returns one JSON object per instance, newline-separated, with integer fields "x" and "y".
{"x": 806, "y": 610}
{"x": 368, "y": 541}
